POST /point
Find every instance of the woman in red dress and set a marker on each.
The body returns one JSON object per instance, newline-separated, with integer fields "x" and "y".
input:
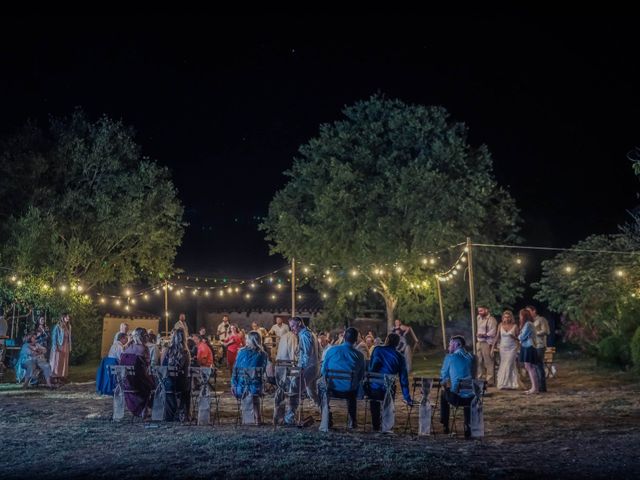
{"x": 234, "y": 343}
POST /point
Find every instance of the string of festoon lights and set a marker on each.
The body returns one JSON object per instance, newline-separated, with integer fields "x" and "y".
{"x": 280, "y": 279}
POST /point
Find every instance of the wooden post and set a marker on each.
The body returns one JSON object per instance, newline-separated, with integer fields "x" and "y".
{"x": 166, "y": 307}
{"x": 472, "y": 294}
{"x": 293, "y": 287}
{"x": 444, "y": 335}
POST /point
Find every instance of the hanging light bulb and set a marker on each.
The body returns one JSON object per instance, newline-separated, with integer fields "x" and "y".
{"x": 206, "y": 293}
{"x": 432, "y": 261}
{"x": 425, "y": 261}
{"x": 620, "y": 273}
{"x": 103, "y": 300}
{"x": 117, "y": 302}
{"x": 354, "y": 273}
{"x": 145, "y": 296}
{"x": 273, "y": 297}
{"x": 133, "y": 301}
{"x": 247, "y": 296}
{"x": 324, "y": 295}
{"x": 463, "y": 258}
{"x": 399, "y": 269}
{"x": 305, "y": 269}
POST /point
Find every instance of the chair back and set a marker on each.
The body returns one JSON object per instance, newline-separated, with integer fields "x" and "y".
{"x": 332, "y": 375}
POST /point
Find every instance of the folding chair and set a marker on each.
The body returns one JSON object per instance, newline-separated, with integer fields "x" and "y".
{"x": 161, "y": 373}
{"x": 474, "y": 388}
{"x": 426, "y": 385}
{"x": 248, "y": 377}
{"x": 203, "y": 383}
{"x": 289, "y": 383}
{"x": 383, "y": 381}
{"x": 121, "y": 372}
{"x": 331, "y": 376}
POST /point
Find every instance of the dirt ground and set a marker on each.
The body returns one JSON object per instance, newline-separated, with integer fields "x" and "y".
{"x": 586, "y": 426}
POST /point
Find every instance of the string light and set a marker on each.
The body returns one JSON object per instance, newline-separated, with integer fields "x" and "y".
{"x": 206, "y": 293}
{"x": 132, "y": 301}
{"x": 103, "y": 300}
{"x": 620, "y": 273}
{"x": 145, "y": 296}
{"x": 568, "y": 269}
{"x": 354, "y": 273}
{"x": 63, "y": 288}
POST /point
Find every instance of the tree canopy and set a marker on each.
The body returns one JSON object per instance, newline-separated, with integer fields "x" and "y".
{"x": 381, "y": 190}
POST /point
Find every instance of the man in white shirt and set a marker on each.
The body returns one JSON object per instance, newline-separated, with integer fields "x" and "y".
{"x": 118, "y": 346}
{"x": 223, "y": 333}
{"x": 279, "y": 329}
{"x": 487, "y": 328}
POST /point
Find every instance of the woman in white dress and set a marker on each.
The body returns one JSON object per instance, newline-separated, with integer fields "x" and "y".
{"x": 507, "y": 344}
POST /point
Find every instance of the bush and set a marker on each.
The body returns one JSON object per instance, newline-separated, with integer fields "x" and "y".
{"x": 635, "y": 348}
{"x": 614, "y": 350}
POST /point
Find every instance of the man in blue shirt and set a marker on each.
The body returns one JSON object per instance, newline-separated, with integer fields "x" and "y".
{"x": 386, "y": 359}
{"x": 457, "y": 366}
{"x": 345, "y": 357}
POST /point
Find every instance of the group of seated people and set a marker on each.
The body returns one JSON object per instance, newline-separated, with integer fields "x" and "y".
{"x": 299, "y": 347}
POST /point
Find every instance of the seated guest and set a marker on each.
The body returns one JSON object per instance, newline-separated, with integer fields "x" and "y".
{"x": 386, "y": 359}
{"x": 177, "y": 387}
{"x": 345, "y": 357}
{"x": 152, "y": 346}
{"x": 124, "y": 328}
{"x": 138, "y": 387}
{"x": 105, "y": 382}
{"x": 204, "y": 355}
{"x": 192, "y": 345}
{"x": 250, "y": 357}
{"x": 456, "y": 367}
{"x": 324, "y": 341}
{"x": 32, "y": 356}
{"x": 363, "y": 347}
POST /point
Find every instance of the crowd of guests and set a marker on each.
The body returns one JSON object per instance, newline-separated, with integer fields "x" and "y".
{"x": 317, "y": 355}
{"x": 45, "y": 352}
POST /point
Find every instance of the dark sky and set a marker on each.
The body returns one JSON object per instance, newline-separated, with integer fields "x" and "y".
{"x": 225, "y": 103}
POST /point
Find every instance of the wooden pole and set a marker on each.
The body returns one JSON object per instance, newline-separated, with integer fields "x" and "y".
{"x": 293, "y": 287}
{"x": 472, "y": 294}
{"x": 166, "y": 307}
{"x": 444, "y": 335}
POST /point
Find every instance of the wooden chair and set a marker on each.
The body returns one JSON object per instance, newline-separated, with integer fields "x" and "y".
{"x": 549, "y": 367}
{"x": 203, "y": 384}
{"x": 425, "y": 385}
{"x": 247, "y": 376}
{"x": 382, "y": 381}
{"x": 473, "y": 388}
{"x": 331, "y": 376}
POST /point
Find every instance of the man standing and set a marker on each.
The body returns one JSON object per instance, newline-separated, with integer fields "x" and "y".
{"x": 182, "y": 323}
{"x": 307, "y": 357}
{"x": 124, "y": 328}
{"x": 223, "y": 335}
{"x": 456, "y": 367}
{"x": 287, "y": 350}
{"x": 345, "y": 357}
{"x": 486, "y": 335}
{"x": 541, "y": 327}
{"x": 279, "y": 328}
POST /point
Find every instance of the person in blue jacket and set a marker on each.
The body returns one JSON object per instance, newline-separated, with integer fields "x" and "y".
{"x": 387, "y": 360}
{"x": 345, "y": 357}
{"x": 457, "y": 366}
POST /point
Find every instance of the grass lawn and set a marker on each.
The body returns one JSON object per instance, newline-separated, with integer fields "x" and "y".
{"x": 586, "y": 426}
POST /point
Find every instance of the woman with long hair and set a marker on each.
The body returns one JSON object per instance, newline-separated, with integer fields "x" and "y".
{"x": 138, "y": 387}
{"x": 507, "y": 345}
{"x": 43, "y": 335}
{"x": 251, "y": 357}
{"x": 233, "y": 343}
{"x": 61, "y": 348}
{"x": 177, "y": 357}
{"x": 527, "y": 348}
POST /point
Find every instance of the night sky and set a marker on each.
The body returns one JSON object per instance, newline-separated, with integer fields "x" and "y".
{"x": 226, "y": 102}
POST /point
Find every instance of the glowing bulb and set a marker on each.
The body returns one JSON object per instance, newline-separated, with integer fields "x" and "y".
{"x": 145, "y": 296}
{"x": 221, "y": 293}
{"x": 305, "y": 269}
{"x": 463, "y": 258}
{"x": 273, "y": 297}
{"x": 299, "y": 297}
{"x": 458, "y": 267}
{"x": 127, "y": 292}
{"x": 324, "y": 295}
{"x": 425, "y": 261}
{"x": 247, "y": 296}
{"x": 519, "y": 261}
{"x": 252, "y": 285}
{"x": 117, "y": 302}
{"x": 350, "y": 293}
{"x": 206, "y": 293}
{"x": 289, "y": 271}
{"x": 102, "y": 300}
{"x": 270, "y": 279}
{"x": 236, "y": 289}
{"x": 466, "y": 249}
{"x": 354, "y": 273}
{"x": 79, "y": 288}
{"x": 327, "y": 272}
{"x": 329, "y": 279}
{"x": 126, "y": 307}
{"x": 620, "y": 273}
{"x": 399, "y": 269}
{"x": 63, "y": 288}
{"x": 19, "y": 283}
{"x": 14, "y": 278}
{"x": 375, "y": 290}
{"x": 133, "y": 301}
{"x": 279, "y": 286}
{"x": 568, "y": 269}
{"x": 195, "y": 291}
{"x": 455, "y": 272}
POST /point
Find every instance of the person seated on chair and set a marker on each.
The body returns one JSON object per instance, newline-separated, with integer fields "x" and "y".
{"x": 124, "y": 328}
{"x": 32, "y": 356}
{"x": 177, "y": 357}
{"x": 138, "y": 387}
{"x": 386, "y": 359}
{"x": 105, "y": 382}
{"x": 345, "y": 357}
{"x": 204, "y": 355}
{"x": 457, "y": 366}
{"x": 251, "y": 356}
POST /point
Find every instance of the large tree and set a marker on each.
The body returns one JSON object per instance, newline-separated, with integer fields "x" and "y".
{"x": 376, "y": 194}
{"x": 81, "y": 206}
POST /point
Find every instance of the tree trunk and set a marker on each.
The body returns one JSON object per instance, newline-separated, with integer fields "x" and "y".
{"x": 391, "y": 304}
